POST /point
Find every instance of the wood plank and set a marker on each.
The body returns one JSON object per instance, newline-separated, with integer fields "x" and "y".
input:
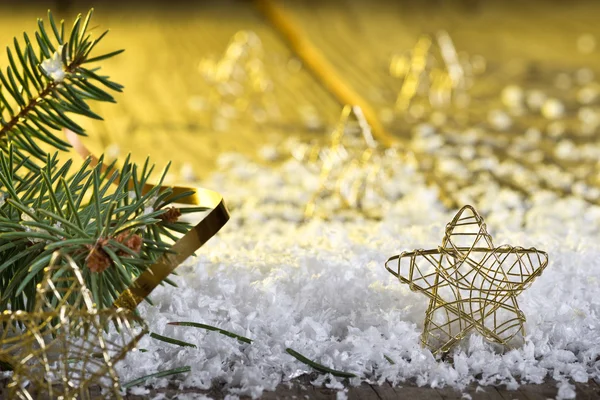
{"x": 539, "y": 392}
{"x": 415, "y": 392}
{"x": 385, "y": 391}
{"x": 483, "y": 393}
{"x": 449, "y": 393}
{"x": 362, "y": 392}
{"x": 588, "y": 390}
{"x": 289, "y": 390}
{"x": 508, "y": 394}
{"x": 301, "y": 388}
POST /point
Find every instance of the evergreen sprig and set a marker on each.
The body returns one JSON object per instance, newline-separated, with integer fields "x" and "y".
{"x": 111, "y": 228}
{"x": 46, "y": 80}
{"x": 100, "y": 216}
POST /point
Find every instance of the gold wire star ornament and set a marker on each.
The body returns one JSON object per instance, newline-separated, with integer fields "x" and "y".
{"x": 66, "y": 348}
{"x": 471, "y": 284}
{"x": 347, "y": 170}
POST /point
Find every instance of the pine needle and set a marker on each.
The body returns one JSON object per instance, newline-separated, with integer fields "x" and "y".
{"x": 212, "y": 328}
{"x": 171, "y": 340}
{"x": 317, "y": 366}
{"x": 161, "y": 374}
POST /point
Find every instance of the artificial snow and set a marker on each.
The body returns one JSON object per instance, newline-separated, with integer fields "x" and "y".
{"x": 320, "y": 288}
{"x": 565, "y": 391}
{"x": 341, "y": 395}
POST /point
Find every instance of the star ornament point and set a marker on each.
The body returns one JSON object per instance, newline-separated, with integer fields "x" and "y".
{"x": 471, "y": 284}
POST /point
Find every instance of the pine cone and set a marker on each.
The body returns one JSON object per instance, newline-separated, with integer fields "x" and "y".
{"x": 171, "y": 215}
{"x": 132, "y": 241}
{"x": 97, "y": 259}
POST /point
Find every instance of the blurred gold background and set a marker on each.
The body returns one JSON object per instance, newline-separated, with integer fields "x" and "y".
{"x": 163, "y": 110}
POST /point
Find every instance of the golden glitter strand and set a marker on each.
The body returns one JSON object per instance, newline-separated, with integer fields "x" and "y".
{"x": 183, "y": 248}
{"x": 326, "y": 73}
{"x": 60, "y": 350}
{"x": 321, "y": 67}
{"x": 418, "y": 63}
{"x": 355, "y": 192}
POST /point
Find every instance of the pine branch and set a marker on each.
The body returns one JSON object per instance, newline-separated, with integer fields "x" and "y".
{"x": 46, "y": 82}
{"x": 111, "y": 229}
{"x": 100, "y": 217}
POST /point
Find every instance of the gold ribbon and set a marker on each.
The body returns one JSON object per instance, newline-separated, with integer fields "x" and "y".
{"x": 182, "y": 248}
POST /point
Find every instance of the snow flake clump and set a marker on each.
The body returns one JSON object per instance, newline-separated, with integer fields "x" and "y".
{"x": 53, "y": 66}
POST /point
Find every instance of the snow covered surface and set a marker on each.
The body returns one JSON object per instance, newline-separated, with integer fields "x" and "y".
{"x": 320, "y": 287}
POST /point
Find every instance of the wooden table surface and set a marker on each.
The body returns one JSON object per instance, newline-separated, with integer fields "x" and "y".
{"x": 302, "y": 389}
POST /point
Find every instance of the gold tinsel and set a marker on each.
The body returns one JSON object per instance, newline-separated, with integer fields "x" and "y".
{"x": 238, "y": 82}
{"x": 346, "y": 154}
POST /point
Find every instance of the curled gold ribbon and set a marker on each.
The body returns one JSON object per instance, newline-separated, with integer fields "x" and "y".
{"x": 182, "y": 248}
